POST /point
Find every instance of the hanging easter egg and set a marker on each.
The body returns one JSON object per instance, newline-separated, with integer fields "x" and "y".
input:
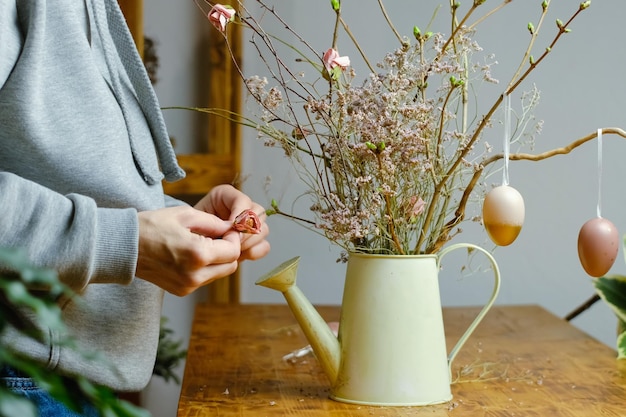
{"x": 503, "y": 214}
{"x": 598, "y": 243}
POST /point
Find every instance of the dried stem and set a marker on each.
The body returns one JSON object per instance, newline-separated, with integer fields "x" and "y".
{"x": 390, "y": 23}
{"x": 443, "y": 236}
{"x": 340, "y": 181}
{"x": 533, "y": 64}
{"x": 357, "y": 45}
{"x": 392, "y": 229}
{"x": 497, "y": 8}
{"x": 460, "y": 212}
{"x": 533, "y": 37}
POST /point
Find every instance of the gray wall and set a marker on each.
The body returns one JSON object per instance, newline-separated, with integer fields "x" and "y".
{"x": 581, "y": 91}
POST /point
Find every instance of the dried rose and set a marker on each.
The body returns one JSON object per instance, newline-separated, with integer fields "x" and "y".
{"x": 220, "y": 15}
{"x": 300, "y": 133}
{"x": 247, "y": 222}
{"x": 415, "y": 207}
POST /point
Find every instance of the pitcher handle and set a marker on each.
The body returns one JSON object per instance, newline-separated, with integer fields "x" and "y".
{"x": 485, "y": 309}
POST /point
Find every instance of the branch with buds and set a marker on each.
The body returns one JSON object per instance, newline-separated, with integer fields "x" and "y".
{"x": 369, "y": 152}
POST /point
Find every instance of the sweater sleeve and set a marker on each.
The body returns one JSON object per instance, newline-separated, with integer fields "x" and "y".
{"x": 10, "y": 39}
{"x": 173, "y": 202}
{"x": 70, "y": 234}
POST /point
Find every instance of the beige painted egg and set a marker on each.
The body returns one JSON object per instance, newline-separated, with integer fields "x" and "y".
{"x": 598, "y": 244}
{"x": 503, "y": 214}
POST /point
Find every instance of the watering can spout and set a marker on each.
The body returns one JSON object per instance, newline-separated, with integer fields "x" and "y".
{"x": 324, "y": 343}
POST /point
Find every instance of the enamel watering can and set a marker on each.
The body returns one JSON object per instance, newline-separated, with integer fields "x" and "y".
{"x": 391, "y": 348}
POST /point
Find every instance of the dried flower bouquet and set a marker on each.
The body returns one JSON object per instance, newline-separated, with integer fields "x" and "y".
{"x": 390, "y": 159}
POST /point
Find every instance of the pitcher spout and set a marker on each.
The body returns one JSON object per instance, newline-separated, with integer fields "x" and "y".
{"x": 320, "y": 336}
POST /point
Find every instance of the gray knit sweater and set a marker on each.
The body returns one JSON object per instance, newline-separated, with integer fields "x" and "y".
{"x": 83, "y": 147}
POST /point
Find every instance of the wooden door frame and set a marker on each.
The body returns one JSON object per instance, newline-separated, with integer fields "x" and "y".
{"x": 222, "y": 162}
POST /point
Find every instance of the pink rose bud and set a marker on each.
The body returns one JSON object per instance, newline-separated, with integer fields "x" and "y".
{"x": 220, "y": 15}
{"x": 247, "y": 222}
{"x": 332, "y": 59}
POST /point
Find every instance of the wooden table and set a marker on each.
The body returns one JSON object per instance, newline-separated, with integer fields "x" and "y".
{"x": 521, "y": 361}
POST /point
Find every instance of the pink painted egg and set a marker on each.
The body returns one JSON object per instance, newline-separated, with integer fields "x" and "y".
{"x": 598, "y": 243}
{"x": 503, "y": 214}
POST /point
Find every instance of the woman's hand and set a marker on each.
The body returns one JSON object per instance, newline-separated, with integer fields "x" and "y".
{"x": 226, "y": 202}
{"x": 183, "y": 248}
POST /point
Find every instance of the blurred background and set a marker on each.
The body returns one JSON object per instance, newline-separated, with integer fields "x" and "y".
{"x": 581, "y": 91}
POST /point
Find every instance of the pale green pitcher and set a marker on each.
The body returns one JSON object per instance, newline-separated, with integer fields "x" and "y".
{"x": 391, "y": 348}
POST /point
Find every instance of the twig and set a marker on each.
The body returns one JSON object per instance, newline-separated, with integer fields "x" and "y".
{"x": 357, "y": 45}
{"x": 390, "y": 23}
{"x": 460, "y": 212}
{"x": 583, "y": 307}
{"x": 533, "y": 38}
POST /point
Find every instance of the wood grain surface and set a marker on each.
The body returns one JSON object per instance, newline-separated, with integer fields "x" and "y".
{"x": 521, "y": 361}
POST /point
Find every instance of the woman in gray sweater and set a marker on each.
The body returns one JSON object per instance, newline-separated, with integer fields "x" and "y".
{"x": 83, "y": 151}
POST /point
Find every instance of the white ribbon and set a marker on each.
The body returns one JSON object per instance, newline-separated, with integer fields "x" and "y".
{"x": 599, "y": 208}
{"x": 507, "y": 138}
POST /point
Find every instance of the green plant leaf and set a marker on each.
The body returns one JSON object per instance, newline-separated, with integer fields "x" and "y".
{"x": 14, "y": 405}
{"x": 170, "y": 353}
{"x": 126, "y": 409}
{"x": 28, "y": 302}
{"x": 621, "y": 345}
{"x": 48, "y": 315}
{"x": 612, "y": 289}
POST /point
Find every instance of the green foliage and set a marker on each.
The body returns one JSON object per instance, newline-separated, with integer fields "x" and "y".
{"x": 28, "y": 302}
{"x": 621, "y": 343}
{"x": 612, "y": 289}
{"x": 169, "y": 354}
